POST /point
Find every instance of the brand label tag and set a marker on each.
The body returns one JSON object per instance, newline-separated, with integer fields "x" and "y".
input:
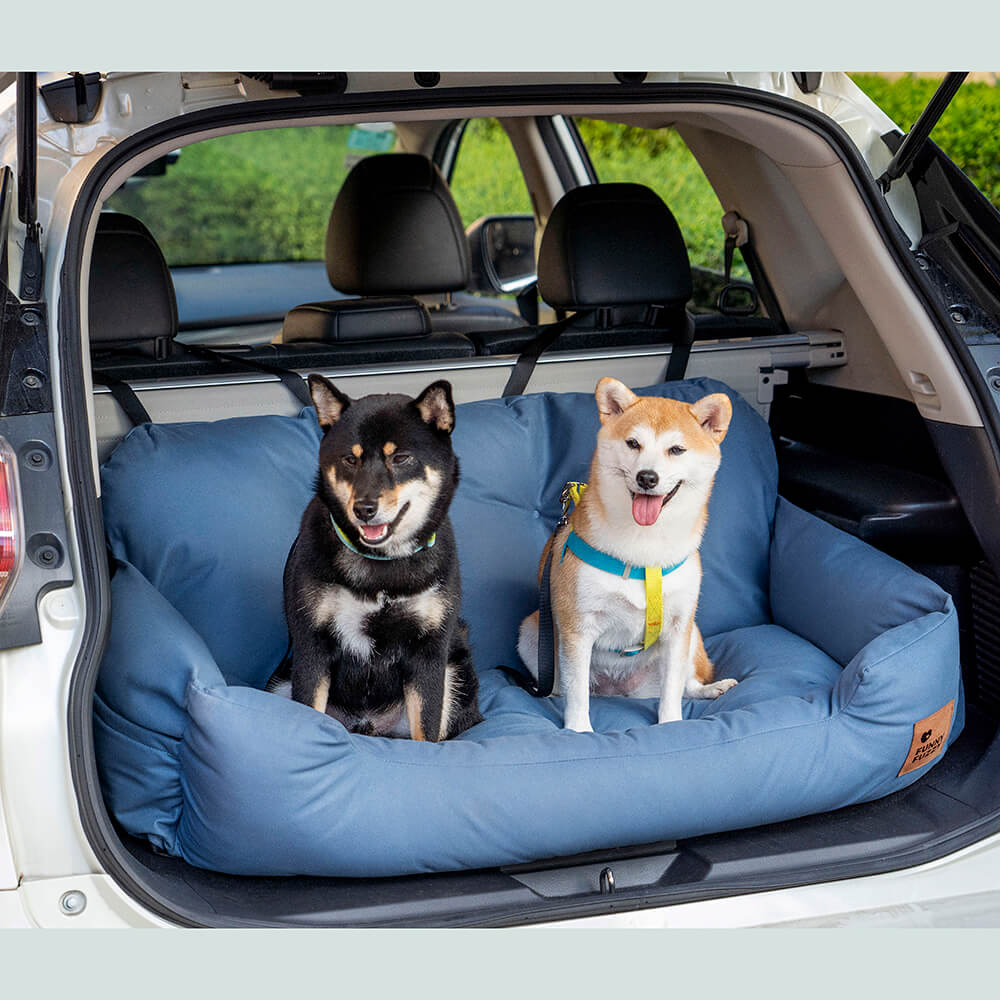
{"x": 929, "y": 737}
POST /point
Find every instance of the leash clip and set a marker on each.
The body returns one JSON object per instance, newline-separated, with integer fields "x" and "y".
{"x": 571, "y": 494}
{"x": 565, "y": 500}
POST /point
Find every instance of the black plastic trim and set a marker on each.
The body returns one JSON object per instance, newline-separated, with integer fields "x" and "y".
{"x": 46, "y": 565}
{"x": 447, "y": 147}
{"x": 27, "y": 146}
{"x": 631, "y": 79}
{"x": 550, "y": 140}
{"x": 965, "y": 454}
{"x": 807, "y": 82}
{"x": 94, "y": 817}
{"x": 6, "y": 186}
{"x": 307, "y": 84}
{"x": 581, "y": 148}
{"x": 73, "y": 101}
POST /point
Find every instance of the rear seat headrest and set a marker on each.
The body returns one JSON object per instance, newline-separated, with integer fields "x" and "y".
{"x": 131, "y": 292}
{"x": 612, "y": 245}
{"x": 395, "y": 230}
{"x": 356, "y": 319}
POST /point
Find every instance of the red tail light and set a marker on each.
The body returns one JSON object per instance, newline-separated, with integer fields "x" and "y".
{"x": 11, "y": 530}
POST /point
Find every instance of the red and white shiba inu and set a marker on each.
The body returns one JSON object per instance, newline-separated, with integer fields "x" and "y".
{"x": 646, "y": 505}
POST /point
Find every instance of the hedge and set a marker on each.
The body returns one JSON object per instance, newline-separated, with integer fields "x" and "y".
{"x": 968, "y": 132}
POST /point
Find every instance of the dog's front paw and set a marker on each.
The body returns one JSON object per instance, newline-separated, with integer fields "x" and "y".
{"x": 665, "y": 715}
{"x": 578, "y": 725}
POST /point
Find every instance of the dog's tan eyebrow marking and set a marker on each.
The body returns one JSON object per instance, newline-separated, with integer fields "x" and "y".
{"x": 356, "y": 450}
{"x": 389, "y": 447}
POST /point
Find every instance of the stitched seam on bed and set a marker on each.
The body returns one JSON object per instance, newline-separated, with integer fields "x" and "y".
{"x": 623, "y": 756}
{"x": 174, "y": 753}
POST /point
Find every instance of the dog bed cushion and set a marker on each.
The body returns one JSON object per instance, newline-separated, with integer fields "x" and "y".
{"x": 845, "y": 658}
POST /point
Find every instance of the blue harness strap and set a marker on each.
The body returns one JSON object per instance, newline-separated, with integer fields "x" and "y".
{"x": 609, "y": 564}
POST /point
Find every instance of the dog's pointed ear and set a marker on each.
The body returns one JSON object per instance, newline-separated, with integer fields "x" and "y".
{"x": 436, "y": 406}
{"x": 613, "y": 397}
{"x": 329, "y": 401}
{"x": 713, "y": 413}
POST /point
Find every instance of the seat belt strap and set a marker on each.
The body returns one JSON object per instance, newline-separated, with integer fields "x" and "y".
{"x": 527, "y": 304}
{"x": 521, "y": 373}
{"x": 680, "y": 351}
{"x": 737, "y": 231}
{"x": 124, "y": 395}
{"x": 737, "y": 235}
{"x": 291, "y": 381}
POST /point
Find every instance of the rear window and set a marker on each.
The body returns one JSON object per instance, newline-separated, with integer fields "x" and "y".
{"x": 249, "y": 198}
{"x": 486, "y": 178}
{"x": 660, "y": 159}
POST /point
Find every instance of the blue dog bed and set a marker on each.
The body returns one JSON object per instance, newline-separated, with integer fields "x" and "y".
{"x": 845, "y": 658}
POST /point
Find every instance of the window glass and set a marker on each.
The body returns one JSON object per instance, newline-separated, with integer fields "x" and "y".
{"x": 659, "y": 159}
{"x": 251, "y": 197}
{"x": 486, "y": 178}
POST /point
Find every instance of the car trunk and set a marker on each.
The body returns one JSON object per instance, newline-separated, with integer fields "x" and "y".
{"x": 869, "y": 463}
{"x": 941, "y": 812}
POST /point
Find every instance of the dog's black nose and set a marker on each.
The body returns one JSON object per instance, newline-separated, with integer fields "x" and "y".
{"x": 364, "y": 510}
{"x": 646, "y": 479}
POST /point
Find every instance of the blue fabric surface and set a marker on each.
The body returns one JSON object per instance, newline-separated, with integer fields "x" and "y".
{"x": 839, "y": 650}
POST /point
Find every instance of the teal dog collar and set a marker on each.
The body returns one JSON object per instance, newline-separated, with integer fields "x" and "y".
{"x": 367, "y": 555}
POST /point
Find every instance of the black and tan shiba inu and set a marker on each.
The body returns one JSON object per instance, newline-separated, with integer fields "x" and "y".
{"x": 372, "y": 588}
{"x": 646, "y": 505}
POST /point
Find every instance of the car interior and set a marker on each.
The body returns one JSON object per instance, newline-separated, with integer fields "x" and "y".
{"x": 835, "y": 352}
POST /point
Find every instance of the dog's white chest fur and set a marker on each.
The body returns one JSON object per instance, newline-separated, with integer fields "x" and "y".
{"x": 617, "y": 608}
{"x": 348, "y": 615}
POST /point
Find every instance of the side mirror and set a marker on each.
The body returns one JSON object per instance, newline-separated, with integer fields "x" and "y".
{"x": 502, "y": 249}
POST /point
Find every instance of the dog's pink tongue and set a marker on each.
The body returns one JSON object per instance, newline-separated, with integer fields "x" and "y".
{"x": 646, "y": 509}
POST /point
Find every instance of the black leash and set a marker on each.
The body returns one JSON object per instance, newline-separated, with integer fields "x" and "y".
{"x": 283, "y": 671}
{"x": 542, "y": 685}
{"x": 546, "y": 635}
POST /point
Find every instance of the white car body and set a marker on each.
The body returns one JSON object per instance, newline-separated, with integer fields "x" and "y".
{"x": 50, "y": 876}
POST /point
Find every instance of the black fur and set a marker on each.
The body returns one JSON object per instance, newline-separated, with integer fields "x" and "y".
{"x": 408, "y": 657}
